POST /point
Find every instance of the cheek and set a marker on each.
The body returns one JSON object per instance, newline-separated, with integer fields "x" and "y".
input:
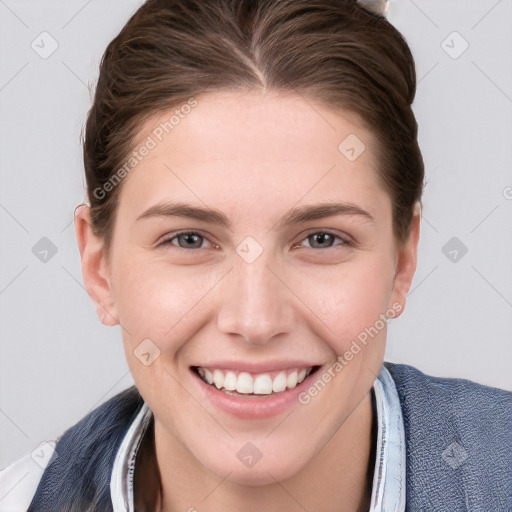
{"x": 351, "y": 301}
{"x": 155, "y": 300}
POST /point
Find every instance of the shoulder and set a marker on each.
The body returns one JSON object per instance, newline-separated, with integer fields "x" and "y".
{"x": 459, "y": 441}
{"x": 458, "y": 399}
{"x": 75, "y": 471}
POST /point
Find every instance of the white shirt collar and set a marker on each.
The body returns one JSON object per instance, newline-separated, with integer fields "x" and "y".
{"x": 388, "y": 490}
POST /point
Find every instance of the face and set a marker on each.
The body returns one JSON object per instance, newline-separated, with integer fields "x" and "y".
{"x": 252, "y": 249}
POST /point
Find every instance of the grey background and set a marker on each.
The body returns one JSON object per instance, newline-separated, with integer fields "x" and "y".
{"x": 57, "y": 361}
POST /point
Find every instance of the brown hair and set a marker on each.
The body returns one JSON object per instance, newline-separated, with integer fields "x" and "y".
{"x": 332, "y": 51}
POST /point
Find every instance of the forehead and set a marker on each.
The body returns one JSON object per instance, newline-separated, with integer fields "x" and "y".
{"x": 230, "y": 122}
{"x": 252, "y": 146}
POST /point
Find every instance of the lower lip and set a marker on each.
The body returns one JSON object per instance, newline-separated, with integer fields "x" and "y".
{"x": 252, "y": 407}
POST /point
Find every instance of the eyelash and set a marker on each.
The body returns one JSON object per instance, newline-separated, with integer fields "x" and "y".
{"x": 168, "y": 241}
{"x": 345, "y": 240}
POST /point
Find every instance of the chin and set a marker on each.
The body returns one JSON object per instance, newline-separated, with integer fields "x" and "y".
{"x": 258, "y": 477}
{"x": 267, "y": 470}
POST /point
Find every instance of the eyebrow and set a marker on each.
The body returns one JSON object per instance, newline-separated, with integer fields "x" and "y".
{"x": 294, "y": 216}
{"x": 319, "y": 211}
{"x": 177, "y": 209}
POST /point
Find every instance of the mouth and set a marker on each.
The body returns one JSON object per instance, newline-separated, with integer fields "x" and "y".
{"x": 256, "y": 385}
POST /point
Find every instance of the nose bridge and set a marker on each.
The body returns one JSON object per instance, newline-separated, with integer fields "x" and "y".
{"x": 255, "y": 305}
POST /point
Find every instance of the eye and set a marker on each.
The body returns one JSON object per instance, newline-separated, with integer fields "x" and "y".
{"x": 185, "y": 240}
{"x": 323, "y": 240}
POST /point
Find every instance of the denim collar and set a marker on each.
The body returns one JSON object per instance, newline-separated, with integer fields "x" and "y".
{"x": 388, "y": 490}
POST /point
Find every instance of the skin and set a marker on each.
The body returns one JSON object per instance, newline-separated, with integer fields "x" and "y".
{"x": 253, "y": 156}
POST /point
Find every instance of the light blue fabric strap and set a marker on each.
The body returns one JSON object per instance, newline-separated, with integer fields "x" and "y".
{"x": 123, "y": 472}
{"x": 388, "y": 493}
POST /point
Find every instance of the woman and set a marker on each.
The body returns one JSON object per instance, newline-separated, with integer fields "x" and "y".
{"x": 254, "y": 182}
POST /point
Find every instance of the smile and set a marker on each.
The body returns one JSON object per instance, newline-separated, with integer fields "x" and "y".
{"x": 239, "y": 383}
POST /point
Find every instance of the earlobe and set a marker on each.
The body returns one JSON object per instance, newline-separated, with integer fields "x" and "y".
{"x": 407, "y": 257}
{"x": 94, "y": 265}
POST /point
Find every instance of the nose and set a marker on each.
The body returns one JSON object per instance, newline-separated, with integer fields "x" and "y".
{"x": 256, "y": 303}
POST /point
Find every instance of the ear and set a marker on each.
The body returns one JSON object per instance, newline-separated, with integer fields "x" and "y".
{"x": 405, "y": 267}
{"x": 95, "y": 269}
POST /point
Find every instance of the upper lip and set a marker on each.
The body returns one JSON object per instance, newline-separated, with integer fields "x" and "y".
{"x": 257, "y": 367}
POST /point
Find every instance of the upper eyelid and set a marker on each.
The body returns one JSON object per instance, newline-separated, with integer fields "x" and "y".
{"x": 342, "y": 235}
{"x": 171, "y": 236}
{"x": 344, "y": 238}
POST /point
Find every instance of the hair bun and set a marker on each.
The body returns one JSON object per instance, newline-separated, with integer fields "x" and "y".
{"x": 378, "y": 7}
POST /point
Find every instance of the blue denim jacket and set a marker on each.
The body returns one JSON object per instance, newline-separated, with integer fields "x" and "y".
{"x": 458, "y": 439}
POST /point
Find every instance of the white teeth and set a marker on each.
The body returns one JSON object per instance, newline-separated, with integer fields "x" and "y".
{"x": 291, "y": 380}
{"x": 279, "y": 383}
{"x": 244, "y": 383}
{"x": 260, "y": 384}
{"x": 263, "y": 384}
{"x": 208, "y": 376}
{"x": 230, "y": 381}
{"x": 218, "y": 379}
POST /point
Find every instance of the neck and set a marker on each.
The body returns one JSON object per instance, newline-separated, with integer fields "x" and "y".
{"x": 338, "y": 478}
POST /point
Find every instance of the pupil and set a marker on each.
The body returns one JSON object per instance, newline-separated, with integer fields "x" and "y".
{"x": 323, "y": 239}
{"x": 191, "y": 239}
